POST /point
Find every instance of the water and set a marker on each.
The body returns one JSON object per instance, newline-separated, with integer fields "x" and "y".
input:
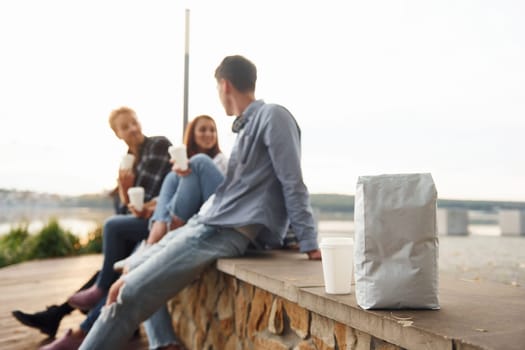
{"x": 79, "y": 227}
{"x": 344, "y": 227}
{"x": 79, "y": 221}
{"x": 482, "y": 255}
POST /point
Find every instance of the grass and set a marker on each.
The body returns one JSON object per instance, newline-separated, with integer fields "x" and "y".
{"x": 52, "y": 241}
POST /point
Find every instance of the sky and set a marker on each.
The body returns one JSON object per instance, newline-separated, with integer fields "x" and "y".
{"x": 377, "y": 87}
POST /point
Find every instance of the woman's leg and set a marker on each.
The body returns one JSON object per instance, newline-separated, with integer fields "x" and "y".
{"x": 167, "y": 191}
{"x": 159, "y": 329}
{"x": 195, "y": 188}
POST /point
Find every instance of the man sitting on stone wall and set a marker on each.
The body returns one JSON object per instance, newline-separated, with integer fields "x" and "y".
{"x": 262, "y": 192}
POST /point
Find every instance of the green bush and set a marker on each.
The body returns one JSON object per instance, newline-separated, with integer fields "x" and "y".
{"x": 12, "y": 245}
{"x": 3, "y": 260}
{"x": 94, "y": 243}
{"x": 52, "y": 241}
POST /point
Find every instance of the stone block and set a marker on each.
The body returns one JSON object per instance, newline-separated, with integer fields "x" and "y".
{"x": 452, "y": 222}
{"x": 305, "y": 345}
{"x": 216, "y": 335}
{"x": 323, "y": 329}
{"x": 186, "y": 330}
{"x": 231, "y": 343}
{"x": 345, "y": 337}
{"x": 202, "y": 316}
{"x": 299, "y": 318}
{"x": 364, "y": 340}
{"x": 259, "y": 312}
{"x": 227, "y": 326}
{"x": 209, "y": 287}
{"x": 242, "y": 303}
{"x": 264, "y": 343}
{"x": 225, "y": 305}
{"x": 176, "y": 311}
{"x": 276, "y": 319}
{"x": 199, "y": 340}
{"x": 320, "y": 344}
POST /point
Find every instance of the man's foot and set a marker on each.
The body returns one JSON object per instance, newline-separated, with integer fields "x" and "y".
{"x": 70, "y": 341}
{"x": 46, "y": 321}
{"x": 86, "y": 299}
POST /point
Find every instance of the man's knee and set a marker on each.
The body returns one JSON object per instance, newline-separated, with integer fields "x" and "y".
{"x": 110, "y": 224}
{"x": 115, "y": 226}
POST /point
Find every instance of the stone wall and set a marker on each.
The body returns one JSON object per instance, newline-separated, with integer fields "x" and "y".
{"x": 220, "y": 312}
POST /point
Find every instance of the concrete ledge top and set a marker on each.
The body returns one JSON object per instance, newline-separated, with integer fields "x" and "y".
{"x": 474, "y": 314}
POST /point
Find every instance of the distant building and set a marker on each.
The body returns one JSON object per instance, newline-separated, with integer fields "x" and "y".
{"x": 452, "y": 222}
{"x": 512, "y": 222}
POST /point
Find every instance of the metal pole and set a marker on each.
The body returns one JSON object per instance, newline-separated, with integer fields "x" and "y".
{"x": 186, "y": 72}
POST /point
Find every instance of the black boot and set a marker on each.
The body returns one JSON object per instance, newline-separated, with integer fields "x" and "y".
{"x": 46, "y": 321}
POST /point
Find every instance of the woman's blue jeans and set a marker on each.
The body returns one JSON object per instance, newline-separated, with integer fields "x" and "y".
{"x": 179, "y": 196}
{"x": 182, "y": 196}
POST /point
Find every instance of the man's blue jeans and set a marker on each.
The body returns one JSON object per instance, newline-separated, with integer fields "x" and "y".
{"x": 159, "y": 328}
{"x": 120, "y": 235}
{"x": 169, "y": 266}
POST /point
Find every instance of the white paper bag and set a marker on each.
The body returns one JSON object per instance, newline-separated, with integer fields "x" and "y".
{"x": 396, "y": 242}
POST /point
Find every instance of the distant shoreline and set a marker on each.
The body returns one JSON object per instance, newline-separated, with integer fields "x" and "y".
{"x": 324, "y": 202}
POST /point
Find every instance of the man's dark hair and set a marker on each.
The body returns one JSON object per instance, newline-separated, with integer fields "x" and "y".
{"x": 240, "y": 71}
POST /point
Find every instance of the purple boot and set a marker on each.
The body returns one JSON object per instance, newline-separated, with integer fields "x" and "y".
{"x": 86, "y": 299}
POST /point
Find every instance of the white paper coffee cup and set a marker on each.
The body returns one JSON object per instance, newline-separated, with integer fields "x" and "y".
{"x": 136, "y": 197}
{"x": 338, "y": 264}
{"x": 180, "y": 156}
{"x": 127, "y": 161}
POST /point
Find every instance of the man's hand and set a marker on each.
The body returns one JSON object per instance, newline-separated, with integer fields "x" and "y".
{"x": 114, "y": 290}
{"x": 314, "y": 254}
{"x": 158, "y": 230}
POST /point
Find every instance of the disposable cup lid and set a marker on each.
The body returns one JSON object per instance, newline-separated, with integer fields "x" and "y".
{"x": 333, "y": 242}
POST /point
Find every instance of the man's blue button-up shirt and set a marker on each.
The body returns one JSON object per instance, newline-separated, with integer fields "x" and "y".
{"x": 264, "y": 183}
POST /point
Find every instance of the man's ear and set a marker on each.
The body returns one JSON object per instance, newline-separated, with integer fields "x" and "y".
{"x": 227, "y": 86}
